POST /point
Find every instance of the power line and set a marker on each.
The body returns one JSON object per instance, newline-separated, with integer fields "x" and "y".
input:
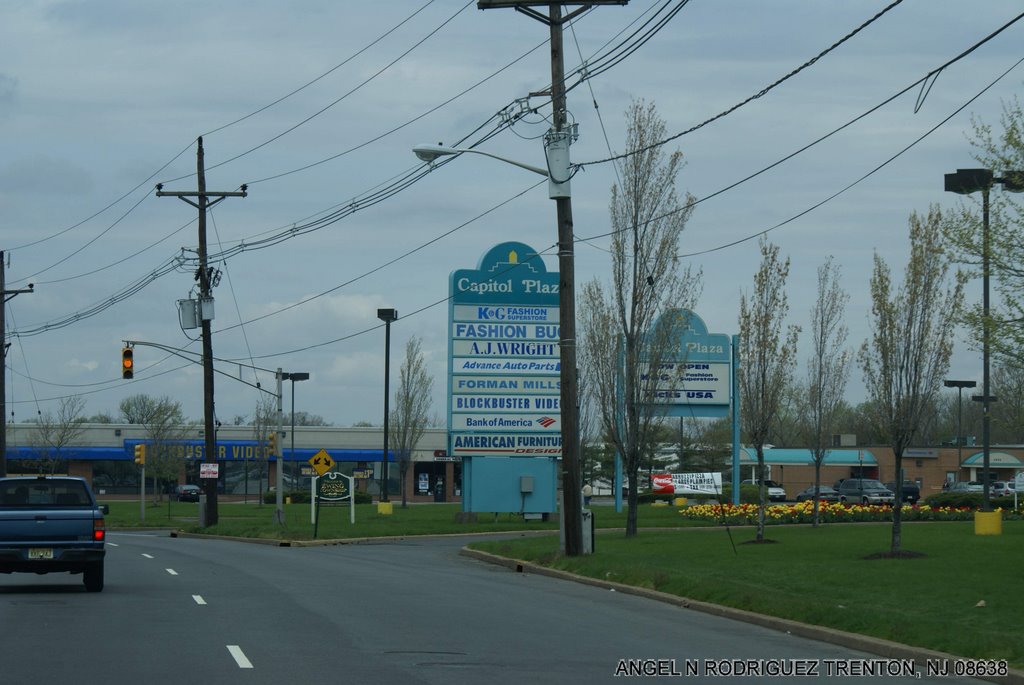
{"x": 764, "y": 91}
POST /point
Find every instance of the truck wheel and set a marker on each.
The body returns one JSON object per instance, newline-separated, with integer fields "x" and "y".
{"x": 93, "y": 577}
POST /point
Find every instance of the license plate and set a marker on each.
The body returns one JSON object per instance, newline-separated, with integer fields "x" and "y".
{"x": 40, "y": 553}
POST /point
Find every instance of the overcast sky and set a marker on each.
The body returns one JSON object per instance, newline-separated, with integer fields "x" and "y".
{"x": 102, "y": 99}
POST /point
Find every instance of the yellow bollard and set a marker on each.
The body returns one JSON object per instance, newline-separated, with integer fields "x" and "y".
{"x": 988, "y": 523}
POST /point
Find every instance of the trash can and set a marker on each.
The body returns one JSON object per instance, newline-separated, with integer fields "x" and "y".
{"x": 439, "y": 491}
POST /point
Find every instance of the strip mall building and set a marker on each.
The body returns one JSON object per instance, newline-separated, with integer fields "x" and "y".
{"x": 928, "y": 467}
{"x": 104, "y": 455}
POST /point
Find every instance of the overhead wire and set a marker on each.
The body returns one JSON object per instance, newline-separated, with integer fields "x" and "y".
{"x": 336, "y": 101}
{"x": 764, "y": 91}
{"x": 873, "y": 171}
{"x": 317, "y": 163}
{"x": 330, "y": 71}
{"x": 880, "y": 166}
{"x": 412, "y": 177}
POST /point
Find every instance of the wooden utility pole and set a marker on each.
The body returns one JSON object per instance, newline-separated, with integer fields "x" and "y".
{"x": 557, "y": 141}
{"x": 203, "y": 203}
{"x": 7, "y": 295}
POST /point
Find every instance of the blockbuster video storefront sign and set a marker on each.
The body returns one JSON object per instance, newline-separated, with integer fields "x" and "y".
{"x": 503, "y": 361}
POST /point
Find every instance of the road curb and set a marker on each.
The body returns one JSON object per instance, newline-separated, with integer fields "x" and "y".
{"x": 872, "y": 645}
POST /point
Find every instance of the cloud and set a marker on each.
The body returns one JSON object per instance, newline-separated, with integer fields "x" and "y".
{"x": 91, "y": 365}
{"x": 8, "y": 89}
{"x": 47, "y": 175}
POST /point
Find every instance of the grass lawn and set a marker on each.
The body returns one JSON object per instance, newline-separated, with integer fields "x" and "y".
{"x": 821, "y": 576}
{"x": 252, "y": 520}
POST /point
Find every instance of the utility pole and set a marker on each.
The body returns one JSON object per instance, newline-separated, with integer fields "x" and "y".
{"x": 7, "y": 295}
{"x": 557, "y": 142}
{"x": 203, "y": 203}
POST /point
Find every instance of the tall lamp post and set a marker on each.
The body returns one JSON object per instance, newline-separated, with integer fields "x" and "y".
{"x": 293, "y": 377}
{"x": 959, "y": 385}
{"x": 965, "y": 182}
{"x": 556, "y": 145}
{"x": 558, "y": 174}
{"x": 387, "y": 316}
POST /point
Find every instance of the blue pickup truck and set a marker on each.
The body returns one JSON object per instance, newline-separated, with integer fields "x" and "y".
{"x": 52, "y": 524}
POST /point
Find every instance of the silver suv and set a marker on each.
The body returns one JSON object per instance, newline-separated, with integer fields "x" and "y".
{"x": 865, "y": 491}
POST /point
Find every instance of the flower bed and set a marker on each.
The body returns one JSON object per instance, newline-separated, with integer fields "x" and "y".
{"x": 828, "y": 512}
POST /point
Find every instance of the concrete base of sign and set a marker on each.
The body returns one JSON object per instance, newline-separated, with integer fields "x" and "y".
{"x": 385, "y": 508}
{"x": 988, "y": 523}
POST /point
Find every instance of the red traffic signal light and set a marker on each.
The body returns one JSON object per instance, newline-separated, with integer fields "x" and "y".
{"x": 127, "y": 363}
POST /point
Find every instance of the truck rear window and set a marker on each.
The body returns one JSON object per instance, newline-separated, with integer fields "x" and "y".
{"x": 43, "y": 493}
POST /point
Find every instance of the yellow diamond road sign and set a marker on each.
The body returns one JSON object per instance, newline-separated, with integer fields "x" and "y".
{"x": 321, "y": 462}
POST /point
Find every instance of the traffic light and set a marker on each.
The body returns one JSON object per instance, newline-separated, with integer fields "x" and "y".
{"x": 272, "y": 444}
{"x": 140, "y": 454}
{"x": 127, "y": 363}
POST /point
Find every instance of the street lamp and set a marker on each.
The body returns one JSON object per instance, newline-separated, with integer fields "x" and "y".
{"x": 556, "y": 148}
{"x": 959, "y": 385}
{"x": 965, "y": 182}
{"x": 387, "y": 316}
{"x": 278, "y": 452}
{"x": 293, "y": 377}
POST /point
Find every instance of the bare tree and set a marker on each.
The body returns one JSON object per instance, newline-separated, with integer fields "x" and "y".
{"x": 165, "y": 427}
{"x": 621, "y": 339}
{"x": 767, "y": 357}
{"x": 409, "y": 416}
{"x": 908, "y": 354}
{"x": 828, "y": 368}
{"x": 264, "y": 422}
{"x": 55, "y": 432}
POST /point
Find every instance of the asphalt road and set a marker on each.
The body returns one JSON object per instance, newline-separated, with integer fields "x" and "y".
{"x": 181, "y": 610}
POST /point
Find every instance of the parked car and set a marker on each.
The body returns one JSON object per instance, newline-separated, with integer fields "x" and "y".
{"x": 865, "y": 491}
{"x": 826, "y": 493}
{"x": 776, "y": 493}
{"x": 188, "y": 493}
{"x": 911, "y": 493}
{"x": 962, "y": 487}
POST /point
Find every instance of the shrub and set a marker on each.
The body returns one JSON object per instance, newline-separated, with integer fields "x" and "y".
{"x": 749, "y": 494}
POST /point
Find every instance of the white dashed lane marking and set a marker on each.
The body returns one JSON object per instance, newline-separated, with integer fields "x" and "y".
{"x": 239, "y": 656}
